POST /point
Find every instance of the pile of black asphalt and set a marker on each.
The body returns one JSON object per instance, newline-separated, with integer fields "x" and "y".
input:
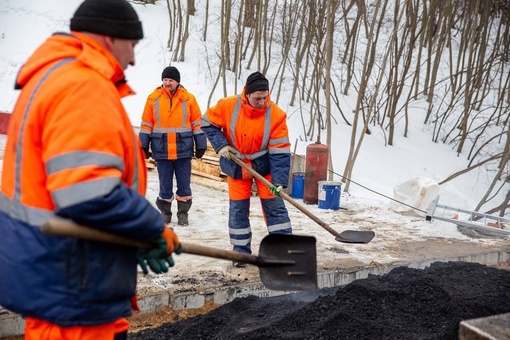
{"x": 406, "y": 303}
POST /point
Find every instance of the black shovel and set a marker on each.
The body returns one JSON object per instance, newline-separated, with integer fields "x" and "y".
{"x": 286, "y": 262}
{"x": 348, "y": 236}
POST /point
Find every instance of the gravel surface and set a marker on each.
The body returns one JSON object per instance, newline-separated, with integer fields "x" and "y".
{"x": 403, "y": 304}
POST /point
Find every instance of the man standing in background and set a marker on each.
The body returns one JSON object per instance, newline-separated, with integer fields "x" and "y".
{"x": 171, "y": 129}
{"x": 253, "y": 128}
{"x": 72, "y": 153}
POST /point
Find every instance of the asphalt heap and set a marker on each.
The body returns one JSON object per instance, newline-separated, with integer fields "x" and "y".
{"x": 406, "y": 303}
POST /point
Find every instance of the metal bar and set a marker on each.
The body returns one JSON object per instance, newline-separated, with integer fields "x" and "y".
{"x": 473, "y": 225}
{"x": 434, "y": 205}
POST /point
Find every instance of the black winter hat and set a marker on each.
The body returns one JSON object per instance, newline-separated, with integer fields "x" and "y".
{"x": 256, "y": 82}
{"x": 114, "y": 18}
{"x": 172, "y": 73}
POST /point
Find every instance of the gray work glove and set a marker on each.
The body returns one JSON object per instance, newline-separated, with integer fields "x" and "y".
{"x": 226, "y": 151}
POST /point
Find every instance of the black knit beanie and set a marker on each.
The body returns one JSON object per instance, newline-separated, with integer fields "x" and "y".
{"x": 114, "y": 18}
{"x": 172, "y": 73}
{"x": 256, "y": 82}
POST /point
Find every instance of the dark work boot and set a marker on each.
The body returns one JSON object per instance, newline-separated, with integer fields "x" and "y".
{"x": 165, "y": 208}
{"x": 182, "y": 212}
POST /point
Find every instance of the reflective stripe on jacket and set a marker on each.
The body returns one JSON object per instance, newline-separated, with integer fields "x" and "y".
{"x": 71, "y": 152}
{"x": 259, "y": 136}
{"x": 171, "y": 124}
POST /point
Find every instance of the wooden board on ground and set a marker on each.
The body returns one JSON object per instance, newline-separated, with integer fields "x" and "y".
{"x": 208, "y": 182}
{"x": 206, "y": 165}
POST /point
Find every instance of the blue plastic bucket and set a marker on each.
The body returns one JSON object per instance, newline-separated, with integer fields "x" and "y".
{"x": 298, "y": 184}
{"x": 329, "y": 195}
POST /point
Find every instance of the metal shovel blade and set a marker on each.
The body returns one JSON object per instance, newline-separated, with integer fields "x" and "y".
{"x": 355, "y": 236}
{"x": 286, "y": 262}
{"x": 300, "y": 273}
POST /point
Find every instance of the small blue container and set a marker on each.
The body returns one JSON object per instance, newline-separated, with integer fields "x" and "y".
{"x": 298, "y": 184}
{"x": 329, "y": 195}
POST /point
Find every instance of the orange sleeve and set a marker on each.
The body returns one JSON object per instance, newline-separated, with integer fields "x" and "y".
{"x": 148, "y": 115}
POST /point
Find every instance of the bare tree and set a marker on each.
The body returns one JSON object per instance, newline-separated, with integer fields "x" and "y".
{"x": 171, "y": 20}
{"x": 352, "y": 39}
{"x": 303, "y": 43}
{"x": 206, "y": 17}
{"x": 372, "y": 32}
{"x": 330, "y": 29}
{"x": 226, "y": 9}
{"x": 178, "y": 16}
{"x": 290, "y": 10}
{"x": 258, "y": 30}
{"x": 238, "y": 45}
{"x": 249, "y": 13}
{"x": 185, "y": 34}
{"x": 191, "y": 7}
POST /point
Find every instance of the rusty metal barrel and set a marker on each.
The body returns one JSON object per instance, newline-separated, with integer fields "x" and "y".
{"x": 316, "y": 170}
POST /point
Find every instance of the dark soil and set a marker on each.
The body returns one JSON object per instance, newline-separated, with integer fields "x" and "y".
{"x": 403, "y": 304}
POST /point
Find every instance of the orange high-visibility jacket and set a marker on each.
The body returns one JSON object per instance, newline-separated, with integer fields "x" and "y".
{"x": 171, "y": 124}
{"x": 259, "y": 136}
{"x": 72, "y": 152}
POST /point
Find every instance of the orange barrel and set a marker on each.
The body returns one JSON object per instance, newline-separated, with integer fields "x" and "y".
{"x": 316, "y": 170}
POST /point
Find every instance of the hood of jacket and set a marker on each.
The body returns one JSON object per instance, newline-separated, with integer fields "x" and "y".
{"x": 81, "y": 47}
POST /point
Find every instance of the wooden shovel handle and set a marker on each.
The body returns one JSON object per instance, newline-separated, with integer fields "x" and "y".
{"x": 285, "y": 196}
{"x": 65, "y": 228}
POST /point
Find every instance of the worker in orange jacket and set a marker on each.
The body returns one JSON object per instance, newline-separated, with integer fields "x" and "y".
{"x": 171, "y": 130}
{"x": 72, "y": 153}
{"x": 254, "y": 128}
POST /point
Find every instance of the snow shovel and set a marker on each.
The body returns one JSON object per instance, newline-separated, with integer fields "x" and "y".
{"x": 286, "y": 262}
{"x": 348, "y": 236}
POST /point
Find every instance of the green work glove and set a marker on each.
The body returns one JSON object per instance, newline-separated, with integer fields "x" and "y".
{"x": 157, "y": 258}
{"x": 276, "y": 190}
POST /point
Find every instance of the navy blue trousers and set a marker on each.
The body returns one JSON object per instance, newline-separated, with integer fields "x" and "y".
{"x": 181, "y": 169}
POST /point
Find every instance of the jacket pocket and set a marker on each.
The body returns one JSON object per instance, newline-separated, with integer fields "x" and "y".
{"x": 230, "y": 168}
{"x": 261, "y": 165}
{"x": 159, "y": 146}
{"x": 184, "y": 142}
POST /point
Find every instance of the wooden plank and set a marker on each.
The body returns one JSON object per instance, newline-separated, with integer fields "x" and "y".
{"x": 211, "y": 159}
{"x": 207, "y": 175}
{"x": 486, "y": 328}
{"x": 211, "y": 169}
{"x": 209, "y": 183}
{"x": 297, "y": 165}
